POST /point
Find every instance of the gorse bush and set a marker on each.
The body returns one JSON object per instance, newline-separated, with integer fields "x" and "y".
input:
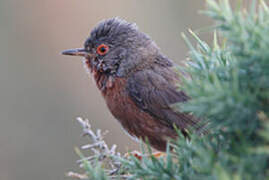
{"x": 229, "y": 90}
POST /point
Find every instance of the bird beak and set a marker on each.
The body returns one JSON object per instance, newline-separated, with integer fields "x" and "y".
{"x": 76, "y": 52}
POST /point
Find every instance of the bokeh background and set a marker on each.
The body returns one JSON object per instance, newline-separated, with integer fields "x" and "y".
{"x": 42, "y": 92}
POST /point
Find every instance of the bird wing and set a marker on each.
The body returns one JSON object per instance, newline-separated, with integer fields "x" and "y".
{"x": 155, "y": 93}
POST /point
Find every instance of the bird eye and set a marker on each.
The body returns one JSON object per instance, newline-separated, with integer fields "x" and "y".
{"x": 102, "y": 49}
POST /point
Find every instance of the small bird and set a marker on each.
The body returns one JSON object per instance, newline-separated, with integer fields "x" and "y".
{"x": 138, "y": 82}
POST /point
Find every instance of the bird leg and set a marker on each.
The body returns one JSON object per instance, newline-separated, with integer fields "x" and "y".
{"x": 139, "y": 155}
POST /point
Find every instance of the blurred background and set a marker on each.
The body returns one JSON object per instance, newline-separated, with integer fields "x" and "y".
{"x": 42, "y": 92}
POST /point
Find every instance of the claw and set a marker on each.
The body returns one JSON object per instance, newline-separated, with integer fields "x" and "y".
{"x": 136, "y": 154}
{"x": 139, "y": 156}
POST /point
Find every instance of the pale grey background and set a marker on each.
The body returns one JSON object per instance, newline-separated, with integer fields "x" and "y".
{"x": 42, "y": 92}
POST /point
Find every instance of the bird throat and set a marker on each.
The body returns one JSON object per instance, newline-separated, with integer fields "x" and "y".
{"x": 104, "y": 81}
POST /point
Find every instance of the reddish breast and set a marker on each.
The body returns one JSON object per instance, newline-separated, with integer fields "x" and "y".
{"x": 133, "y": 119}
{"x": 121, "y": 106}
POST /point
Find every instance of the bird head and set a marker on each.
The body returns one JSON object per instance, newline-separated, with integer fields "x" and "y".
{"x": 116, "y": 47}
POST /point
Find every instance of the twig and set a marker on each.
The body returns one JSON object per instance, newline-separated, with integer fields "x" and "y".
{"x": 100, "y": 152}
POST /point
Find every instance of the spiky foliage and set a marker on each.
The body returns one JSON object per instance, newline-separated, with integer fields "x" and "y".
{"x": 229, "y": 87}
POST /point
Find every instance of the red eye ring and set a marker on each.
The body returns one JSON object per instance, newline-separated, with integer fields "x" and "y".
{"x": 102, "y": 49}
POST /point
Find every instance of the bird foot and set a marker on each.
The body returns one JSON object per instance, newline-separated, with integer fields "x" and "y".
{"x": 139, "y": 155}
{"x": 159, "y": 154}
{"x": 136, "y": 154}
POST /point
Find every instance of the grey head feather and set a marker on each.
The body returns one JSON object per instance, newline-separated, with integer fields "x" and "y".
{"x": 112, "y": 31}
{"x": 128, "y": 47}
